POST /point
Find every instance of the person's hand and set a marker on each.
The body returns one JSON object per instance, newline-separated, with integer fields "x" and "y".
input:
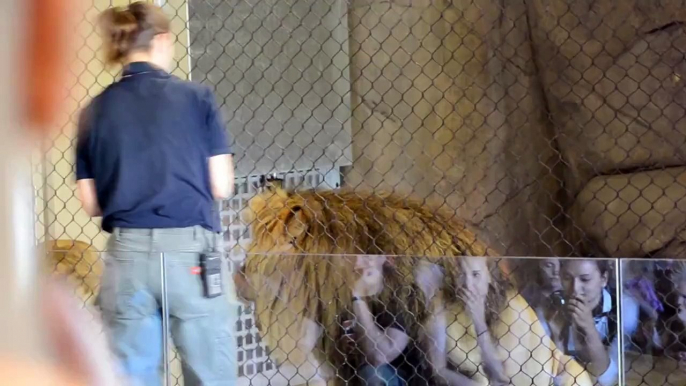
{"x": 476, "y": 308}
{"x": 348, "y": 341}
{"x": 681, "y": 357}
{"x": 370, "y": 282}
{"x": 581, "y": 315}
{"x": 681, "y": 313}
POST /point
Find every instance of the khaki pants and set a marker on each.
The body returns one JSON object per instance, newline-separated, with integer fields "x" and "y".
{"x": 130, "y": 299}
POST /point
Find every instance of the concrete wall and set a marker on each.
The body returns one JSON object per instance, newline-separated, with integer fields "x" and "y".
{"x": 281, "y": 71}
{"x": 445, "y": 103}
{"x": 439, "y": 99}
{"x": 613, "y": 74}
{"x": 447, "y": 106}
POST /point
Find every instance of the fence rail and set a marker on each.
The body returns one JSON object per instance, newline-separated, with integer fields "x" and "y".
{"x": 293, "y": 312}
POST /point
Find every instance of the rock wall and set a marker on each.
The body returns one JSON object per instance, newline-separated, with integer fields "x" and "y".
{"x": 447, "y": 105}
{"x": 558, "y": 126}
{"x": 612, "y": 73}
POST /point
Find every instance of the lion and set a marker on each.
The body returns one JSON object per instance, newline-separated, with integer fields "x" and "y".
{"x": 299, "y": 268}
{"x": 79, "y": 262}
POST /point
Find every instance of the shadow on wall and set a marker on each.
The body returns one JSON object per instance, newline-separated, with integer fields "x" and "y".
{"x": 545, "y": 122}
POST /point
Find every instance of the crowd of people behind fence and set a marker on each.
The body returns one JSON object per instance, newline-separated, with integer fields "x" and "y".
{"x": 575, "y": 301}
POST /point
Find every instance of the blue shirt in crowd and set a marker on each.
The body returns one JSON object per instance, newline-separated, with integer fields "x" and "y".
{"x": 146, "y": 140}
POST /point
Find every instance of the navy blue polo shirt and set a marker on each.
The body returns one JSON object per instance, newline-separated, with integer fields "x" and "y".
{"x": 146, "y": 141}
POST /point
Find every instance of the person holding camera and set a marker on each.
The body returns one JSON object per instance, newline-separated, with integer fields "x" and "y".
{"x": 585, "y": 320}
{"x": 543, "y": 291}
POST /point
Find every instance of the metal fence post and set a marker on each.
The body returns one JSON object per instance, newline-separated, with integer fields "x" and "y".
{"x": 19, "y": 265}
{"x": 165, "y": 319}
{"x": 619, "y": 292}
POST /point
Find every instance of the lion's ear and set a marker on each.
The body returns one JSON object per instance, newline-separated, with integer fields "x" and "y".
{"x": 295, "y": 221}
{"x": 278, "y": 191}
{"x": 255, "y": 205}
{"x": 270, "y": 199}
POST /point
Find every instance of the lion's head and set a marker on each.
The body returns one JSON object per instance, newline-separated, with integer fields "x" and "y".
{"x": 307, "y": 222}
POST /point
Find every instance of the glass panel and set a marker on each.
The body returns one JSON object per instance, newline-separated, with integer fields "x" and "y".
{"x": 292, "y": 319}
{"x": 419, "y": 319}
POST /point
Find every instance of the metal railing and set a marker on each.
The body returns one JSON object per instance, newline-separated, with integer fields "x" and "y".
{"x": 295, "y": 309}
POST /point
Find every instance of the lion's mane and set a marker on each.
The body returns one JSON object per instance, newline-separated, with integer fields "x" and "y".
{"x": 300, "y": 260}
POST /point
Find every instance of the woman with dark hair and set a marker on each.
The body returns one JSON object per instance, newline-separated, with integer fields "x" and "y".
{"x": 539, "y": 293}
{"x": 586, "y": 326}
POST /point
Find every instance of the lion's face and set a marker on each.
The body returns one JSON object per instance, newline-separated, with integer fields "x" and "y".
{"x": 277, "y": 221}
{"x": 281, "y": 222}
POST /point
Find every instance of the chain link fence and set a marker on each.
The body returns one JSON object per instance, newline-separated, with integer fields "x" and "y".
{"x": 551, "y": 127}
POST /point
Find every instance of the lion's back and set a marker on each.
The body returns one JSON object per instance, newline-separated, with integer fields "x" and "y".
{"x": 396, "y": 225}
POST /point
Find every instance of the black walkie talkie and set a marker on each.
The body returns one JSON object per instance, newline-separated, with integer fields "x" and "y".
{"x": 211, "y": 273}
{"x": 211, "y": 264}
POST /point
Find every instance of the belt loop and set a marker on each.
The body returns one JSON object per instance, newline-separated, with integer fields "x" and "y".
{"x": 196, "y": 233}
{"x": 116, "y": 233}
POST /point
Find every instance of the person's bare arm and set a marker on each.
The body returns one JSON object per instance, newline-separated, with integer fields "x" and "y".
{"x": 592, "y": 350}
{"x": 493, "y": 366}
{"x": 495, "y": 370}
{"x": 380, "y": 346}
{"x": 221, "y": 176}
{"x": 434, "y": 342}
{"x": 86, "y": 193}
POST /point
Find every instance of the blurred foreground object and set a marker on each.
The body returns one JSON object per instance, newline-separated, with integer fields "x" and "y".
{"x": 18, "y": 268}
{"x": 48, "y": 52}
{"x": 64, "y": 350}
{"x": 80, "y": 350}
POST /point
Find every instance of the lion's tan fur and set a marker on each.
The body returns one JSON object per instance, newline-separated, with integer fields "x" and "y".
{"x": 349, "y": 222}
{"x": 296, "y": 276}
{"x": 79, "y": 262}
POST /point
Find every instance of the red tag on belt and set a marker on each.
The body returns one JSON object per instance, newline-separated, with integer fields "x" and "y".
{"x": 195, "y": 270}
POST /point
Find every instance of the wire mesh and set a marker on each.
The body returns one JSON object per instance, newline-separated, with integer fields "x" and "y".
{"x": 301, "y": 314}
{"x": 552, "y": 127}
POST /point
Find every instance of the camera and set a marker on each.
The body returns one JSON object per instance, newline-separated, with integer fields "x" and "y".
{"x": 348, "y": 327}
{"x": 347, "y": 322}
{"x": 557, "y": 299}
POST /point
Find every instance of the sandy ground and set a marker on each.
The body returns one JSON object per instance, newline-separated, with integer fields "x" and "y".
{"x": 646, "y": 370}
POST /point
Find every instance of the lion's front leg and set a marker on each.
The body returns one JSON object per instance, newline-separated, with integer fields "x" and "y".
{"x": 244, "y": 290}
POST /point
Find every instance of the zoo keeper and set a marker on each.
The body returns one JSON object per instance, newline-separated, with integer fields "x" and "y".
{"x": 152, "y": 157}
